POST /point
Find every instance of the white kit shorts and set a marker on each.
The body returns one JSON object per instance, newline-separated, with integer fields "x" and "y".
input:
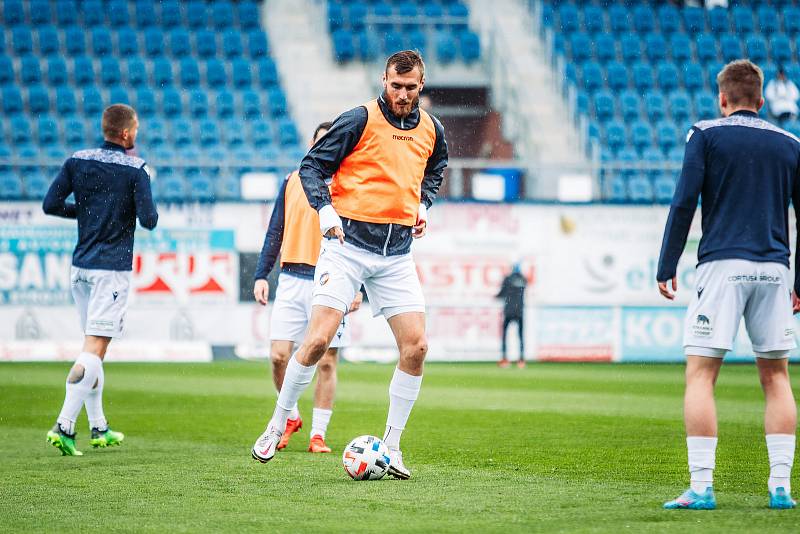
{"x": 391, "y": 282}
{"x": 728, "y": 290}
{"x": 291, "y": 312}
{"x": 102, "y": 300}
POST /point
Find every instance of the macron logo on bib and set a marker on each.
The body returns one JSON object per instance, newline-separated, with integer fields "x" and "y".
{"x": 402, "y": 137}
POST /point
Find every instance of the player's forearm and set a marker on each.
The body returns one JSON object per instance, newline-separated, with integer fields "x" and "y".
{"x": 314, "y": 186}
{"x": 430, "y": 188}
{"x": 55, "y": 205}
{"x": 677, "y": 230}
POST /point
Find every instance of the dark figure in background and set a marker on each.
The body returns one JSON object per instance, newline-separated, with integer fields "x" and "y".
{"x": 513, "y": 294}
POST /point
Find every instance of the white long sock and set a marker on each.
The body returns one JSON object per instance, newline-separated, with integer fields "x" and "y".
{"x": 702, "y": 460}
{"x": 295, "y": 381}
{"x": 94, "y": 404}
{"x": 403, "y": 391}
{"x": 780, "y": 448}
{"x": 319, "y": 421}
{"x": 295, "y": 411}
{"x": 78, "y": 388}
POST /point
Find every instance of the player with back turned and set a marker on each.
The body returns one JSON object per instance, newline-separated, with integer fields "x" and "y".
{"x": 112, "y": 190}
{"x": 746, "y": 171}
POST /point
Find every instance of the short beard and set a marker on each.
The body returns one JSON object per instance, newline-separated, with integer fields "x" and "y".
{"x": 404, "y": 114}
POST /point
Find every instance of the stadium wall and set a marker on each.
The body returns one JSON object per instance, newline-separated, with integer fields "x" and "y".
{"x": 591, "y": 297}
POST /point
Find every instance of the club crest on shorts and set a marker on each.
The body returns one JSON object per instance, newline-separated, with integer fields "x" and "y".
{"x": 702, "y": 326}
{"x": 323, "y": 279}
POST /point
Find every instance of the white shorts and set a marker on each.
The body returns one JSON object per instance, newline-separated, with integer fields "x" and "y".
{"x": 102, "y": 300}
{"x": 728, "y": 290}
{"x": 391, "y": 282}
{"x": 291, "y": 312}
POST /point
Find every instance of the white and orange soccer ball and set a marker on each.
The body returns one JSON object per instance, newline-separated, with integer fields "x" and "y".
{"x": 366, "y": 458}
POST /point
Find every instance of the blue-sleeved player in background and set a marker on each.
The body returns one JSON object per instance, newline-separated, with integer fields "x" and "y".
{"x": 746, "y": 171}
{"x": 111, "y": 189}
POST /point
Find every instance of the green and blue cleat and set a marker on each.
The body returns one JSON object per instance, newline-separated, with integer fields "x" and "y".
{"x": 693, "y": 501}
{"x": 781, "y": 500}
{"x": 63, "y": 441}
{"x": 105, "y": 438}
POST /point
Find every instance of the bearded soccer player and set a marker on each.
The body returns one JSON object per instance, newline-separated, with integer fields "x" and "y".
{"x": 746, "y": 171}
{"x": 387, "y": 160}
{"x": 294, "y": 233}
{"x": 111, "y": 190}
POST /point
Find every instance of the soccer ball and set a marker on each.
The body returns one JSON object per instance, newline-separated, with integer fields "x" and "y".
{"x": 366, "y": 458}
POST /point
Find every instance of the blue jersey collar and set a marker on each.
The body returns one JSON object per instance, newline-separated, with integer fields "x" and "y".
{"x": 108, "y": 145}
{"x": 745, "y": 113}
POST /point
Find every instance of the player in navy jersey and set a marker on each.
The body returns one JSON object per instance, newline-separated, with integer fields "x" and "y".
{"x": 111, "y": 190}
{"x": 746, "y": 171}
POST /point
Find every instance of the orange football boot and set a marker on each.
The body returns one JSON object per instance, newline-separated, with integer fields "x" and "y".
{"x": 317, "y": 444}
{"x": 292, "y": 426}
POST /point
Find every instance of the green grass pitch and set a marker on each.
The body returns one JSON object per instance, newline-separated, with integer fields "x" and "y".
{"x": 554, "y": 447}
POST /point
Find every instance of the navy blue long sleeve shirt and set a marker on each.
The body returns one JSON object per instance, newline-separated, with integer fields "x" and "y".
{"x": 111, "y": 190}
{"x": 746, "y": 171}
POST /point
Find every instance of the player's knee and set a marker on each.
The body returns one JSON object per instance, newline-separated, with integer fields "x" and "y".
{"x": 326, "y": 366}
{"x": 771, "y": 379}
{"x": 76, "y": 374}
{"x": 279, "y": 357}
{"x": 316, "y": 345}
{"x": 416, "y": 349}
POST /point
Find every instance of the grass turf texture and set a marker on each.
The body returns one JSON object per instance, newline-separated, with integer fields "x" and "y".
{"x": 554, "y": 447}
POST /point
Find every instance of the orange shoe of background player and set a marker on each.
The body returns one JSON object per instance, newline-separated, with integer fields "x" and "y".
{"x": 317, "y": 444}
{"x": 292, "y": 426}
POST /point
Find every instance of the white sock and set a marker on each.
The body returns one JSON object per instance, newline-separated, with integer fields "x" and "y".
{"x": 702, "y": 459}
{"x": 295, "y": 411}
{"x": 78, "y": 391}
{"x": 319, "y": 421}
{"x": 94, "y": 404}
{"x": 780, "y": 448}
{"x": 295, "y": 381}
{"x": 403, "y": 391}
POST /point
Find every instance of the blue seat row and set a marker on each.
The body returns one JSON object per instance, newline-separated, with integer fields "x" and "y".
{"x": 639, "y": 188}
{"x": 364, "y": 45}
{"x": 358, "y": 15}
{"x": 653, "y": 105}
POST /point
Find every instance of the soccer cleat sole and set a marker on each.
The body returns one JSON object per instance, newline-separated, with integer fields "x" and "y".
{"x": 259, "y": 458}
{"x": 395, "y": 473}
{"x": 56, "y": 442}
{"x": 102, "y": 443}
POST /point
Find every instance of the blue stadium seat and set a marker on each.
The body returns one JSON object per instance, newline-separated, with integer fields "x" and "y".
{"x": 65, "y": 101}
{"x": 91, "y": 13}
{"x": 357, "y": 14}
{"x": 680, "y": 47}
{"x": 568, "y": 18}
{"x": 101, "y": 41}
{"x": 655, "y": 107}
{"x": 667, "y": 76}
{"x": 46, "y": 131}
{"x": 6, "y": 71}
{"x": 145, "y": 102}
{"x": 232, "y": 43}
{"x": 154, "y": 42}
{"x": 571, "y": 74}
{"x": 20, "y": 131}
{"x": 233, "y": 132}
{"x": 13, "y": 12}
{"x": 180, "y": 44}
{"x": 156, "y": 132}
{"x": 619, "y": 18}
{"x": 791, "y": 20}
{"x": 222, "y": 14}
{"x": 206, "y": 43}
{"x": 170, "y": 13}
{"x": 335, "y": 16}
{"x": 278, "y": 107}
{"x": 75, "y": 41}
{"x": 201, "y": 188}
{"x": 731, "y": 47}
{"x": 470, "y": 45}
{"x": 137, "y": 72}
{"x": 384, "y": 11}
{"x": 445, "y": 47}
{"x": 145, "y": 13}
{"x": 780, "y": 48}
{"x": 641, "y": 135}
{"x": 257, "y": 44}
{"x": 118, "y": 95}
{"x": 171, "y": 188}
{"x": 693, "y": 77}
{"x": 655, "y": 47}
{"x": 694, "y": 20}
{"x": 224, "y": 105}
{"x": 642, "y": 76}
{"x": 664, "y": 188}
{"x": 558, "y": 44}
{"x": 617, "y": 75}
{"x": 242, "y": 75}
{"x": 10, "y": 186}
{"x": 343, "y": 48}
{"x": 127, "y": 42}
{"x": 38, "y": 100}
{"x": 604, "y": 106}
{"x": 618, "y": 189}
{"x": 118, "y": 14}
{"x": 215, "y": 73}
{"x": 162, "y": 72}
{"x": 109, "y": 71}
{"x": 267, "y": 73}
{"x": 631, "y": 47}
{"x": 756, "y": 47}
{"x": 29, "y": 71}
{"x": 713, "y": 69}
{"x": 615, "y": 137}
{"x": 793, "y": 72}
{"x": 228, "y": 188}
{"x": 181, "y": 133}
{"x": 66, "y": 13}
{"x": 21, "y": 40}
{"x": 48, "y": 40}
{"x": 287, "y": 133}
{"x": 251, "y": 104}
{"x": 198, "y": 103}
{"x": 392, "y": 42}
{"x": 459, "y": 11}
{"x": 592, "y": 76}
{"x": 592, "y": 19}
{"x": 580, "y": 47}
{"x": 581, "y": 103}
{"x": 706, "y": 46}
{"x": 770, "y": 72}
{"x": 12, "y": 100}
{"x": 643, "y": 18}
{"x": 680, "y": 106}
{"x": 249, "y": 17}
{"x": 40, "y": 12}
{"x": 654, "y": 158}
{"x": 171, "y": 104}
{"x": 669, "y": 19}
{"x": 666, "y": 134}
{"x": 209, "y": 133}
{"x": 261, "y": 134}
{"x": 605, "y": 47}
{"x": 196, "y": 14}
{"x": 629, "y": 105}
{"x": 718, "y": 21}
{"x": 640, "y": 189}
{"x": 417, "y": 40}
{"x": 35, "y": 185}
{"x": 742, "y": 19}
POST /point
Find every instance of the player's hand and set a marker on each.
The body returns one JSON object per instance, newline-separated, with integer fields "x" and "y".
{"x": 664, "y": 290}
{"x": 336, "y": 232}
{"x": 356, "y": 302}
{"x": 261, "y": 291}
{"x": 795, "y": 303}
{"x": 418, "y": 230}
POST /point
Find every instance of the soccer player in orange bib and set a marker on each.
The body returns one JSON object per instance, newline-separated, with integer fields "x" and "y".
{"x": 387, "y": 160}
{"x": 294, "y": 233}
